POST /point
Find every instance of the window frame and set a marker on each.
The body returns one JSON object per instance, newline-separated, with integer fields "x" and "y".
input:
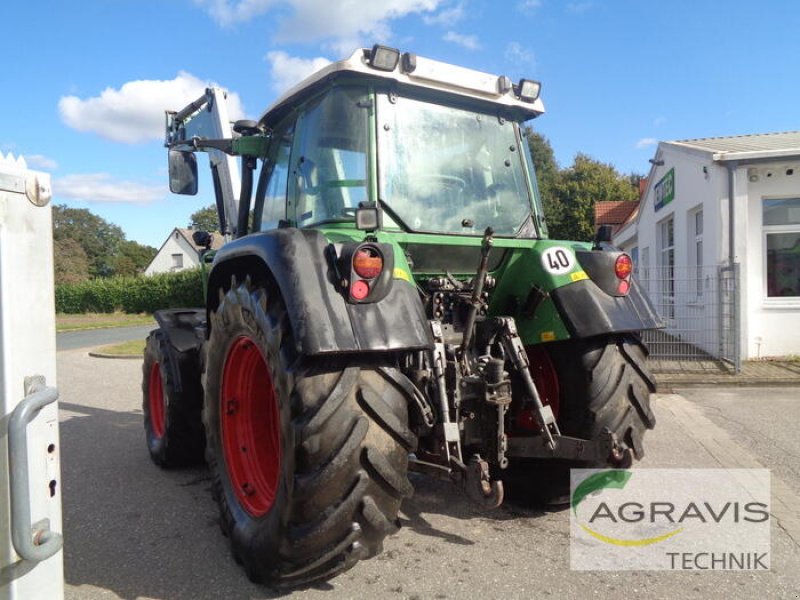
{"x": 667, "y": 271}
{"x": 766, "y": 231}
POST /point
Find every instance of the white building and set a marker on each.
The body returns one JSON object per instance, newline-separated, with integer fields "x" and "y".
{"x": 179, "y": 252}
{"x": 710, "y": 203}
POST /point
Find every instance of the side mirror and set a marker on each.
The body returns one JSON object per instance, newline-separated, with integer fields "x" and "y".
{"x": 182, "y": 172}
{"x": 603, "y": 236}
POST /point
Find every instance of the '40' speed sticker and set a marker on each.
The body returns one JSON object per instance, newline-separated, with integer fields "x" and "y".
{"x": 558, "y": 260}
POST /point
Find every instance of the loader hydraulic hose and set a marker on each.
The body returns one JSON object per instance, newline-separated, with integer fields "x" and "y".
{"x": 192, "y": 108}
{"x": 248, "y": 165}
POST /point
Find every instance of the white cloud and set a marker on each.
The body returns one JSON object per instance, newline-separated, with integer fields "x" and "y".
{"x": 447, "y": 16}
{"x": 134, "y": 113}
{"x": 529, "y": 6}
{"x": 659, "y": 121}
{"x": 646, "y": 143}
{"x": 516, "y": 53}
{"x": 39, "y": 161}
{"x": 229, "y": 12}
{"x": 287, "y": 71}
{"x": 346, "y": 24}
{"x": 470, "y": 42}
{"x": 102, "y": 187}
{"x": 578, "y": 8}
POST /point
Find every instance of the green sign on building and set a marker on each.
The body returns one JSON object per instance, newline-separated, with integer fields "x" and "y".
{"x": 665, "y": 190}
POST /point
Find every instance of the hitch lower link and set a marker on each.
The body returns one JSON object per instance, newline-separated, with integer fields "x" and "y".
{"x": 604, "y": 449}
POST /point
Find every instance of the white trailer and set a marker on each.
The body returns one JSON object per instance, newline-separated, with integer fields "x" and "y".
{"x": 31, "y": 560}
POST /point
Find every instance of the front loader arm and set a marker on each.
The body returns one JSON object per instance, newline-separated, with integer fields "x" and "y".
{"x": 208, "y": 118}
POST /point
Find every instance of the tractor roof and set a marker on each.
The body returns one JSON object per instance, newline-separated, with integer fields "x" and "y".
{"x": 414, "y": 72}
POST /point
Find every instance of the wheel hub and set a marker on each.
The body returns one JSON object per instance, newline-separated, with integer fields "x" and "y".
{"x": 250, "y": 427}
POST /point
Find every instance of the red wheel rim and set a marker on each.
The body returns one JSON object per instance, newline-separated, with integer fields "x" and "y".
{"x": 546, "y": 380}
{"x": 155, "y": 397}
{"x": 250, "y": 423}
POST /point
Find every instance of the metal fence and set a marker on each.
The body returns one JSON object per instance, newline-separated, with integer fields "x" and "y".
{"x": 699, "y": 304}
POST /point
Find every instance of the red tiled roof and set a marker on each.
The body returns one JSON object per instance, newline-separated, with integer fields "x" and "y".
{"x": 613, "y": 212}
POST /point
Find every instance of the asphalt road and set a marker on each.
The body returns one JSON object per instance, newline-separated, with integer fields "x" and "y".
{"x": 135, "y": 531}
{"x": 72, "y": 340}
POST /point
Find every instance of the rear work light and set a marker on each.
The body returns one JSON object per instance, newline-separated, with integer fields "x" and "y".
{"x": 368, "y": 263}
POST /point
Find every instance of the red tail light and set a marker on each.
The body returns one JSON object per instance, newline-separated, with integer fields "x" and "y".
{"x": 368, "y": 263}
{"x": 359, "y": 290}
{"x": 623, "y": 267}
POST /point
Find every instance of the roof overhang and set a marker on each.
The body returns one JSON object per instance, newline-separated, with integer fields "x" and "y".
{"x": 757, "y": 156}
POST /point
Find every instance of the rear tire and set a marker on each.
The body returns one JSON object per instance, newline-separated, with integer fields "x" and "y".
{"x": 172, "y": 421}
{"x": 326, "y": 489}
{"x": 603, "y": 384}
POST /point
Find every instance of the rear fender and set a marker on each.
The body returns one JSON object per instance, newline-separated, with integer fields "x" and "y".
{"x": 560, "y": 290}
{"x": 323, "y": 322}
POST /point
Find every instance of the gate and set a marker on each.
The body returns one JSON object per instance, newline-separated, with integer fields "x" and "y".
{"x": 700, "y": 306}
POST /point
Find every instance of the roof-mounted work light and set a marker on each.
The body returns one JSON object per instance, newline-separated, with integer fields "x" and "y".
{"x": 529, "y": 90}
{"x": 384, "y": 58}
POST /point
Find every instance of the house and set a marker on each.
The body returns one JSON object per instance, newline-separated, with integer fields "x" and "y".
{"x": 179, "y": 252}
{"x": 613, "y": 212}
{"x": 716, "y": 243}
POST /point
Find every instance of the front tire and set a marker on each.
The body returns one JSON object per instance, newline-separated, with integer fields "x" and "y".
{"x": 171, "y": 403}
{"x": 309, "y": 459}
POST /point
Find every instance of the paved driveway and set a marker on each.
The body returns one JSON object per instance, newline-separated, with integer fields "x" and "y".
{"x": 72, "y": 340}
{"x": 134, "y": 531}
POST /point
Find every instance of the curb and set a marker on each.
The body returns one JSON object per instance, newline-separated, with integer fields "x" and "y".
{"x": 667, "y": 386}
{"x": 117, "y": 356}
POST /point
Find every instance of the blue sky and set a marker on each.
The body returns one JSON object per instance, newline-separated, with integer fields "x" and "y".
{"x": 84, "y": 84}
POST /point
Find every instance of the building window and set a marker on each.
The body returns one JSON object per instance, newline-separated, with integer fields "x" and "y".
{"x": 696, "y": 249}
{"x": 781, "y": 219}
{"x": 177, "y": 262}
{"x": 666, "y": 263}
{"x": 645, "y": 270}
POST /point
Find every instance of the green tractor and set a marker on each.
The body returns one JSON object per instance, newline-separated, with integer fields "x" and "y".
{"x": 388, "y": 301}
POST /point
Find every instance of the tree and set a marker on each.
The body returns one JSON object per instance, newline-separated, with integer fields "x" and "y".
{"x": 70, "y": 263}
{"x": 132, "y": 258}
{"x": 99, "y": 239}
{"x": 205, "y": 219}
{"x": 547, "y": 174}
{"x": 579, "y": 187}
{"x": 87, "y": 245}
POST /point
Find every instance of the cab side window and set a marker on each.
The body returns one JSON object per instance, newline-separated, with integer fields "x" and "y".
{"x": 274, "y": 207}
{"x": 329, "y": 162}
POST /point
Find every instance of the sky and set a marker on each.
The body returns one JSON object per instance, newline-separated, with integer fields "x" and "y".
{"x": 84, "y": 84}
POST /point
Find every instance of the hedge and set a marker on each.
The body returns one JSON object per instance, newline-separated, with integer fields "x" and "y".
{"x": 132, "y": 294}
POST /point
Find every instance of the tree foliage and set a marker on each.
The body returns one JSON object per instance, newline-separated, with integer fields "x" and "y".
{"x": 547, "y": 174}
{"x": 569, "y": 195}
{"x": 70, "y": 263}
{"x": 578, "y": 188}
{"x": 205, "y": 219}
{"x": 87, "y": 246}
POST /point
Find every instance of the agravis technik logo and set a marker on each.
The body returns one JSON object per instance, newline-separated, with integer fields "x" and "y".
{"x": 670, "y": 519}
{"x": 609, "y": 480}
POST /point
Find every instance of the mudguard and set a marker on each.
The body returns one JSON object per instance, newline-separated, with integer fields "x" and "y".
{"x": 588, "y": 311}
{"x": 323, "y": 322}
